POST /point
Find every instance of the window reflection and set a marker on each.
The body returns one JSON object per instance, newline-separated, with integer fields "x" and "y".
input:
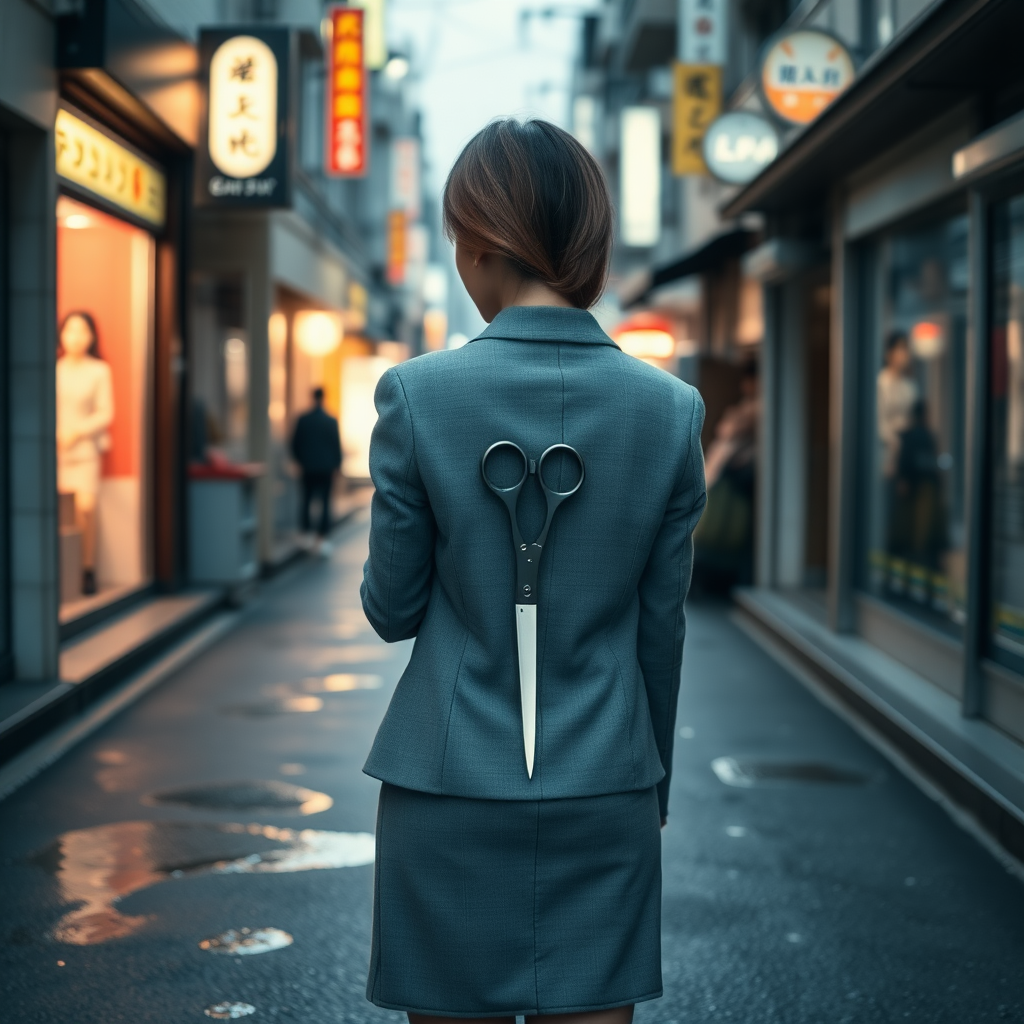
{"x": 915, "y": 537}
{"x": 1006, "y": 402}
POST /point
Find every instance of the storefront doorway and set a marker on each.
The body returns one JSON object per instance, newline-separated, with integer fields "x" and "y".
{"x": 105, "y": 289}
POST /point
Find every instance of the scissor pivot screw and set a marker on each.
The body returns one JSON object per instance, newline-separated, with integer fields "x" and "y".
{"x": 522, "y": 547}
{"x": 526, "y": 589}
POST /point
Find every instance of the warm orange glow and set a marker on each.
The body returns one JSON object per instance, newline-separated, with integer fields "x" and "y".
{"x": 927, "y": 339}
{"x": 646, "y": 336}
{"x": 435, "y": 329}
{"x": 317, "y": 333}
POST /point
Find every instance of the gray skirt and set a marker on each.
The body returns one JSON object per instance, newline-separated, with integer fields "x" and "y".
{"x": 487, "y": 908}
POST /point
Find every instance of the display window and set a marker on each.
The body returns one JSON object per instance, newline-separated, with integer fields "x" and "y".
{"x": 105, "y": 286}
{"x": 914, "y": 420}
{"x": 1006, "y": 431}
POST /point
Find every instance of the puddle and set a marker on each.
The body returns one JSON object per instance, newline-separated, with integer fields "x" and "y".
{"x": 745, "y": 773}
{"x": 229, "y": 1011}
{"x": 97, "y": 867}
{"x": 323, "y": 658}
{"x": 341, "y": 682}
{"x": 247, "y": 941}
{"x": 270, "y": 795}
{"x": 281, "y": 706}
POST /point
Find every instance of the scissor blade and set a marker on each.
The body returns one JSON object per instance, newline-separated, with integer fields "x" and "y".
{"x": 526, "y": 634}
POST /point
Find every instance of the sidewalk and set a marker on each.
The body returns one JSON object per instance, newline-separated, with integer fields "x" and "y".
{"x": 805, "y": 881}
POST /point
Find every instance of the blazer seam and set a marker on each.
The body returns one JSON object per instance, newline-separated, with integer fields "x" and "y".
{"x": 451, "y": 706}
{"x": 636, "y": 545}
{"x": 622, "y": 694}
{"x": 405, "y": 487}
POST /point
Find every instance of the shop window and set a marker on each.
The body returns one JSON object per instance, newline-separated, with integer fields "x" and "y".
{"x": 914, "y": 406}
{"x": 105, "y": 277}
{"x": 1006, "y": 426}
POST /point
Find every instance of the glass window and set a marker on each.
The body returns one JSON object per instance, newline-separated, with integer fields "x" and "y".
{"x": 1006, "y": 447}
{"x": 914, "y": 428}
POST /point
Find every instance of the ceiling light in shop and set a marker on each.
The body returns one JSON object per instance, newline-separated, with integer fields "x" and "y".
{"x": 77, "y": 221}
{"x": 317, "y": 333}
{"x": 927, "y": 339}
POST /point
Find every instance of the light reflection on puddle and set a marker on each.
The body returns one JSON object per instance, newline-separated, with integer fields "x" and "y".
{"x": 281, "y": 706}
{"x": 269, "y": 795}
{"x": 348, "y": 654}
{"x": 341, "y": 682}
{"x": 229, "y": 1011}
{"x": 247, "y": 941}
{"x": 97, "y": 867}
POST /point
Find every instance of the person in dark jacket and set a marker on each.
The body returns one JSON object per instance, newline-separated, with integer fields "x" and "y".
{"x": 316, "y": 447}
{"x": 500, "y": 891}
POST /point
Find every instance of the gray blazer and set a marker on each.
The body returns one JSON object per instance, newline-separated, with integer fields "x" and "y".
{"x": 613, "y": 578}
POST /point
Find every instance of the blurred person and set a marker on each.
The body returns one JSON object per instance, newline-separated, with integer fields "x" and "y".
{"x": 507, "y": 885}
{"x": 316, "y": 447}
{"x": 85, "y": 412}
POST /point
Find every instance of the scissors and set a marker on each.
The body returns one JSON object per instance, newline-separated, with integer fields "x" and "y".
{"x": 527, "y": 567}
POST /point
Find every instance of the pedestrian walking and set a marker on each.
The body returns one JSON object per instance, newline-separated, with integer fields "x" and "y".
{"x": 536, "y": 492}
{"x": 316, "y": 447}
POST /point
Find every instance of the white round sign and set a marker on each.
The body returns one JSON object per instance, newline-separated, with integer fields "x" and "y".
{"x": 739, "y": 145}
{"x": 803, "y": 72}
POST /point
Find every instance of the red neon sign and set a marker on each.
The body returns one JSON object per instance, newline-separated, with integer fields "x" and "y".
{"x": 347, "y": 137}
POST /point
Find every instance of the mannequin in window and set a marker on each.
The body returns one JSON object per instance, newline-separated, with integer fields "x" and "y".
{"x": 85, "y": 410}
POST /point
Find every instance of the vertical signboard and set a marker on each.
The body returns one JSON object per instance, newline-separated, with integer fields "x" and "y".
{"x": 640, "y": 176}
{"x": 245, "y": 158}
{"x": 696, "y": 102}
{"x": 347, "y": 139}
{"x": 375, "y": 40}
{"x": 702, "y": 31}
{"x": 405, "y": 176}
{"x": 397, "y": 247}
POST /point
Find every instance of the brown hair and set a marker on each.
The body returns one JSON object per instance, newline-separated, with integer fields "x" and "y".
{"x": 87, "y": 319}
{"x": 530, "y": 192}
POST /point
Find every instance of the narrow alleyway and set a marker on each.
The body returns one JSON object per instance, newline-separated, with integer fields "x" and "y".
{"x": 806, "y": 880}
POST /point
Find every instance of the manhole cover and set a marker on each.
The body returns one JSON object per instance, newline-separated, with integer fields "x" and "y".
{"x": 285, "y": 706}
{"x": 745, "y": 772}
{"x": 247, "y": 941}
{"x": 229, "y": 1011}
{"x": 270, "y": 795}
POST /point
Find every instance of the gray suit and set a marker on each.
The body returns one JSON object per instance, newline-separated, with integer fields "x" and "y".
{"x": 614, "y": 575}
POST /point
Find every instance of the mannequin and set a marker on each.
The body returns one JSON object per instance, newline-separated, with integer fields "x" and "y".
{"x": 85, "y": 410}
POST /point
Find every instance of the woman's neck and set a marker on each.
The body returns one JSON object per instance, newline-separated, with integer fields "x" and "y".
{"x": 529, "y": 292}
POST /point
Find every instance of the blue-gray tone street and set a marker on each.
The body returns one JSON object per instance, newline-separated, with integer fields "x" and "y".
{"x": 211, "y": 846}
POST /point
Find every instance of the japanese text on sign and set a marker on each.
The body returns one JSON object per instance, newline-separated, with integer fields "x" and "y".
{"x": 347, "y": 121}
{"x": 243, "y": 107}
{"x": 803, "y": 72}
{"x": 697, "y": 100}
{"x": 92, "y": 160}
{"x": 702, "y": 31}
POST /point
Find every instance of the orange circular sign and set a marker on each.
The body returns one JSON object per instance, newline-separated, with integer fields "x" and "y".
{"x": 803, "y": 72}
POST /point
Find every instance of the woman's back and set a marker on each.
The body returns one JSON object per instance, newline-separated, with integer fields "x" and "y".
{"x": 613, "y": 576}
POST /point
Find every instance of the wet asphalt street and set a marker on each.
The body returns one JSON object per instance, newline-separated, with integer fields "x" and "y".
{"x": 231, "y": 798}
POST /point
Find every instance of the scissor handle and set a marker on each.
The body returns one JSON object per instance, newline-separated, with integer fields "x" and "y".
{"x": 515, "y": 488}
{"x": 549, "y": 492}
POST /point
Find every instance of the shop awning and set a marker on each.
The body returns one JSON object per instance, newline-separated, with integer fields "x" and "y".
{"x": 709, "y": 255}
{"x": 956, "y": 50}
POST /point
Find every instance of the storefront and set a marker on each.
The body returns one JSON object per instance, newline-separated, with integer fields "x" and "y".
{"x": 920, "y": 389}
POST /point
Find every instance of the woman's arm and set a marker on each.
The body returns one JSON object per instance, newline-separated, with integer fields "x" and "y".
{"x": 396, "y": 577}
{"x": 662, "y": 590}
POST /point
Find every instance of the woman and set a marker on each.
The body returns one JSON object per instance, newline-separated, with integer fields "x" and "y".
{"x": 85, "y": 411}
{"x": 500, "y": 892}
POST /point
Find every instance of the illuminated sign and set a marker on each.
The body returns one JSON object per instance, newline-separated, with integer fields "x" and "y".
{"x": 702, "y": 31}
{"x": 739, "y": 145}
{"x": 640, "y": 176}
{"x": 375, "y": 40}
{"x": 405, "y": 176}
{"x": 91, "y": 160}
{"x": 803, "y": 72}
{"x": 246, "y": 159}
{"x": 696, "y": 102}
{"x": 397, "y": 247}
{"x": 347, "y": 137}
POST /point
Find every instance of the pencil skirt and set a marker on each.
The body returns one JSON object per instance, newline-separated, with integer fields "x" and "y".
{"x": 487, "y": 908}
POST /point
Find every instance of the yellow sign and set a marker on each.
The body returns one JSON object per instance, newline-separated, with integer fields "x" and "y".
{"x": 88, "y": 158}
{"x": 696, "y": 102}
{"x": 243, "y": 107}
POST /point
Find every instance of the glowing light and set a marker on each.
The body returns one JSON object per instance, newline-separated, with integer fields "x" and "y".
{"x": 640, "y": 162}
{"x": 396, "y": 69}
{"x": 317, "y": 333}
{"x": 77, "y": 221}
{"x": 646, "y": 336}
{"x": 927, "y": 339}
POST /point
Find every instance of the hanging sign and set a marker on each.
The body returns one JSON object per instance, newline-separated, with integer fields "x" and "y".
{"x": 397, "y": 253}
{"x": 91, "y": 160}
{"x": 702, "y": 26}
{"x": 739, "y": 145}
{"x": 347, "y": 138}
{"x": 803, "y": 72}
{"x": 696, "y": 102}
{"x": 405, "y": 176}
{"x": 246, "y": 158}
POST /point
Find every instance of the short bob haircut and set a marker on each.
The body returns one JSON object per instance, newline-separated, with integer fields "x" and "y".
{"x": 528, "y": 191}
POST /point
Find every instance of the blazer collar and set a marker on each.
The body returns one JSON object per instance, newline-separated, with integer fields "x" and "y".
{"x": 546, "y": 323}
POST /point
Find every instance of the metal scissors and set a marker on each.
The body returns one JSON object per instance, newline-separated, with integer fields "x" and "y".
{"x": 527, "y": 567}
